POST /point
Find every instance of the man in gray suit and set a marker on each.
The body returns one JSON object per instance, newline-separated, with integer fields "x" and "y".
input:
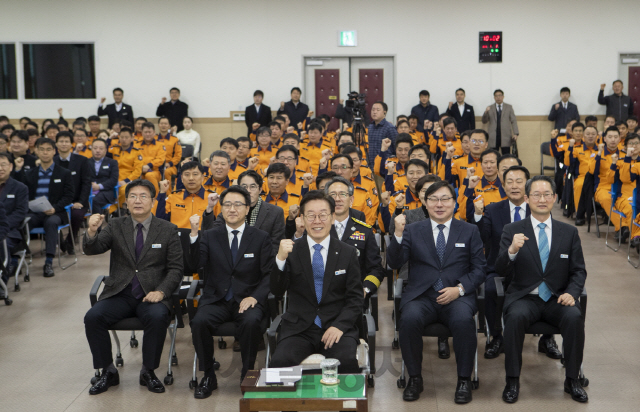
{"x": 145, "y": 269}
{"x": 261, "y": 215}
{"x": 503, "y": 126}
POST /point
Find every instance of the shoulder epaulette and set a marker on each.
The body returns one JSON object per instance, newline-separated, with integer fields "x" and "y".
{"x": 294, "y": 194}
{"x": 458, "y": 156}
{"x": 361, "y": 188}
{"x": 360, "y": 222}
{"x": 209, "y": 190}
{"x": 178, "y": 191}
{"x": 367, "y": 177}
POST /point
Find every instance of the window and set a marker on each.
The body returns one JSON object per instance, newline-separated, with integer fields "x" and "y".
{"x": 59, "y": 71}
{"x": 8, "y": 82}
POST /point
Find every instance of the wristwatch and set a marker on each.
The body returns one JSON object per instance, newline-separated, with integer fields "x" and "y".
{"x": 461, "y": 289}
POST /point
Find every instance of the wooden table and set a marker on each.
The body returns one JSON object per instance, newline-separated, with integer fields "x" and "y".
{"x": 310, "y": 395}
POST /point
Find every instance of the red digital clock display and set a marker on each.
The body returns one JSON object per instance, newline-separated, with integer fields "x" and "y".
{"x": 490, "y": 47}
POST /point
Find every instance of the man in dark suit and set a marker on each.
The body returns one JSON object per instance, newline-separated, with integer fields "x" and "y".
{"x": 54, "y": 183}
{"x": 294, "y": 108}
{"x": 14, "y": 196}
{"x": 321, "y": 277}
{"x": 544, "y": 269}
{"x": 81, "y": 175}
{"x": 145, "y": 269}
{"x": 462, "y": 112}
{"x": 237, "y": 260}
{"x": 260, "y": 214}
{"x": 446, "y": 265}
{"x": 564, "y": 111}
{"x": 174, "y": 110}
{"x": 257, "y": 113}
{"x": 116, "y": 111}
{"x": 104, "y": 176}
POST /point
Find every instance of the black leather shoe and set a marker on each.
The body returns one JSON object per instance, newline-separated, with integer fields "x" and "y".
{"x": 624, "y": 232}
{"x": 463, "y": 391}
{"x": 566, "y": 213}
{"x": 443, "y": 348}
{"x": 70, "y": 247}
{"x": 494, "y": 348}
{"x": 635, "y": 242}
{"x": 207, "y": 385}
{"x": 616, "y": 236}
{"x": 511, "y": 390}
{"x": 574, "y": 388}
{"x": 236, "y": 346}
{"x": 580, "y": 222}
{"x": 151, "y": 381}
{"x": 413, "y": 390}
{"x": 47, "y": 270}
{"x": 550, "y": 347}
{"x": 107, "y": 380}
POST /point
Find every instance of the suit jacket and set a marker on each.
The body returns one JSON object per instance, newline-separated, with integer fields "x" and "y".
{"x": 508, "y": 124}
{"x": 296, "y": 114}
{"x": 175, "y": 112}
{"x": 4, "y": 230}
{"x": 565, "y": 271}
{"x": 247, "y": 276}
{"x": 464, "y": 260}
{"x": 61, "y": 191}
{"x": 251, "y": 117}
{"x": 107, "y": 175}
{"x": 563, "y": 116}
{"x": 496, "y": 217}
{"x": 126, "y": 113}
{"x": 15, "y": 199}
{"x": 270, "y": 219}
{"x": 159, "y": 268}
{"x": 81, "y": 176}
{"x": 465, "y": 122}
{"x": 342, "y": 297}
{"x": 411, "y": 216}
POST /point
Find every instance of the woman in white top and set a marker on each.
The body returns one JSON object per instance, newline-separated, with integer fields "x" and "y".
{"x": 189, "y": 136}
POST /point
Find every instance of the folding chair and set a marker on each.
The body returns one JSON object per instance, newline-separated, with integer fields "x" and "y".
{"x": 616, "y": 191}
{"x": 21, "y": 250}
{"x": 636, "y": 209}
{"x": 40, "y": 231}
{"x": 134, "y": 324}
{"x": 545, "y": 150}
{"x": 5, "y": 265}
{"x": 592, "y": 207}
{"x": 107, "y": 207}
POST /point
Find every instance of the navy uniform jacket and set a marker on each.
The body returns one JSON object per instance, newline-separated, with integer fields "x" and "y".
{"x": 81, "y": 176}
{"x": 465, "y": 122}
{"x": 61, "y": 192}
{"x": 15, "y": 199}
{"x": 125, "y": 113}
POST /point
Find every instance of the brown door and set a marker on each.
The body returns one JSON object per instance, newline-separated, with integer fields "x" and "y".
{"x": 634, "y": 88}
{"x": 371, "y": 83}
{"x": 327, "y": 94}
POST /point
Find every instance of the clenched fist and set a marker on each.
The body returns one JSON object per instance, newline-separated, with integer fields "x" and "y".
{"x": 400, "y": 222}
{"x": 400, "y": 201}
{"x": 95, "y": 221}
{"x": 601, "y": 149}
{"x": 451, "y": 150}
{"x": 145, "y": 168}
{"x": 386, "y": 144}
{"x": 212, "y": 201}
{"x": 572, "y": 142}
{"x": 164, "y": 185}
{"x": 554, "y": 133}
{"x": 293, "y": 212}
{"x": 614, "y": 158}
{"x": 631, "y": 151}
{"x": 470, "y": 172}
{"x": 19, "y": 163}
{"x": 194, "y": 221}
{"x": 517, "y": 243}
{"x": 255, "y": 126}
{"x": 299, "y": 227}
{"x": 391, "y": 167}
{"x": 479, "y": 206}
{"x": 253, "y": 163}
{"x": 307, "y": 179}
{"x": 286, "y": 246}
{"x": 473, "y": 182}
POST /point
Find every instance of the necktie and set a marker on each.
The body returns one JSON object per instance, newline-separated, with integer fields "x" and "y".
{"x": 441, "y": 246}
{"x": 136, "y": 287}
{"x": 543, "y": 246}
{"x": 317, "y": 264}
{"x": 339, "y": 230}
{"x": 499, "y": 109}
{"x": 234, "y": 252}
{"x": 516, "y": 215}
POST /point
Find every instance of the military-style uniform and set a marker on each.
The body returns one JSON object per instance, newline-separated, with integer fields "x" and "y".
{"x": 173, "y": 154}
{"x": 129, "y": 165}
{"x": 313, "y": 152}
{"x": 213, "y": 185}
{"x": 411, "y": 201}
{"x": 365, "y": 197}
{"x": 264, "y": 156}
{"x": 285, "y": 200}
{"x": 489, "y": 192}
{"x": 180, "y": 205}
{"x": 454, "y": 170}
{"x": 153, "y": 155}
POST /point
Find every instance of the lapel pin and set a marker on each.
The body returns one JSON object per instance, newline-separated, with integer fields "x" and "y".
{"x": 353, "y": 228}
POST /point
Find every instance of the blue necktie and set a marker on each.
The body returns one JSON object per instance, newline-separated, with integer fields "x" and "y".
{"x": 543, "y": 246}
{"x": 234, "y": 252}
{"x": 317, "y": 264}
{"x": 441, "y": 247}
{"x": 516, "y": 215}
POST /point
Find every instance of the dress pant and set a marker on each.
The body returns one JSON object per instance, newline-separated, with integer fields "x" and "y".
{"x": 623, "y": 205}
{"x": 204, "y": 327}
{"x": 77, "y": 217}
{"x": 154, "y": 316}
{"x": 491, "y": 305}
{"x": 102, "y": 198}
{"x": 530, "y": 309}
{"x": 169, "y": 172}
{"x": 579, "y": 197}
{"x": 50, "y": 224}
{"x": 417, "y": 314}
{"x": 292, "y": 350}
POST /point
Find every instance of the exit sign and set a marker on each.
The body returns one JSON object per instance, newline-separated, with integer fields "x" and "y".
{"x": 348, "y": 38}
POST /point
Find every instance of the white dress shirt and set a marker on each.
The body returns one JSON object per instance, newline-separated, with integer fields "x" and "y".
{"x": 343, "y": 225}
{"x": 499, "y": 107}
{"x": 324, "y": 251}
{"x": 118, "y": 106}
{"x": 512, "y": 208}
{"x": 461, "y": 109}
{"x": 436, "y": 232}
{"x": 229, "y": 234}
{"x": 258, "y": 106}
{"x": 536, "y": 230}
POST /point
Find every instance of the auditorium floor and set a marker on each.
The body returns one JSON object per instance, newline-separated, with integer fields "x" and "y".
{"x": 45, "y": 363}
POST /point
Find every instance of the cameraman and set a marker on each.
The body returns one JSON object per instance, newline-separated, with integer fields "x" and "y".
{"x": 346, "y": 113}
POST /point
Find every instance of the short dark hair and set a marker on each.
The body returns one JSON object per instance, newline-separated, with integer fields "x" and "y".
{"x": 263, "y": 130}
{"x": 426, "y": 179}
{"x": 401, "y": 119}
{"x": 117, "y": 89}
{"x": 449, "y": 120}
{"x": 630, "y": 137}
{"x": 63, "y": 122}
{"x": 616, "y": 81}
{"x": 148, "y": 125}
{"x": 258, "y": 93}
{"x": 244, "y": 139}
{"x": 412, "y": 116}
{"x": 100, "y": 140}
{"x": 424, "y": 93}
{"x": 340, "y": 179}
{"x": 78, "y": 122}
{"x": 93, "y": 118}
{"x": 278, "y": 168}
{"x": 345, "y": 133}
{"x": 291, "y": 136}
{"x": 163, "y": 118}
{"x": 498, "y": 91}
{"x": 34, "y": 124}
{"x": 64, "y": 134}
{"x": 275, "y": 124}
{"x": 325, "y": 176}
{"x": 7, "y": 156}
{"x": 489, "y": 152}
{"x": 509, "y": 156}
{"x": 443, "y": 115}
{"x": 577, "y": 124}
{"x": 140, "y": 182}
{"x": 565, "y": 89}
{"x": 479, "y": 131}
{"x": 44, "y": 141}
{"x": 28, "y": 119}
{"x": 439, "y": 185}
{"x": 4, "y": 118}
{"x": 231, "y": 141}
{"x": 527, "y": 187}
{"x": 401, "y": 116}
{"x": 404, "y": 138}
{"x": 632, "y": 117}
{"x": 383, "y": 104}
{"x": 342, "y": 156}
{"x": 317, "y": 195}
{"x": 315, "y": 126}
{"x": 237, "y": 189}
{"x": 348, "y": 148}
{"x": 287, "y": 148}
{"x": 590, "y": 118}
{"x": 220, "y": 153}
{"x": 295, "y": 88}
{"x": 517, "y": 168}
{"x": 76, "y": 131}
{"x": 144, "y": 119}
{"x": 419, "y": 146}
{"x": 20, "y": 134}
{"x": 253, "y": 175}
{"x": 190, "y": 166}
{"x": 460, "y": 89}
{"x": 611, "y": 129}
{"x": 7, "y": 127}
{"x": 174, "y": 88}
{"x": 126, "y": 129}
{"x": 417, "y": 162}
{"x": 281, "y": 118}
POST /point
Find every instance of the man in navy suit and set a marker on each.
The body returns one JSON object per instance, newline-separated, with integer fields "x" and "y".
{"x": 237, "y": 260}
{"x": 257, "y": 113}
{"x": 117, "y": 111}
{"x": 462, "y": 112}
{"x": 104, "y": 176}
{"x": 15, "y": 198}
{"x": 446, "y": 265}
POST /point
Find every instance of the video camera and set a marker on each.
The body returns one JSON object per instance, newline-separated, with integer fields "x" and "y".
{"x": 356, "y": 101}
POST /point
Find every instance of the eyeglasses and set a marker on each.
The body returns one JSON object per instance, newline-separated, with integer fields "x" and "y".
{"x": 216, "y": 164}
{"x": 235, "y": 205}
{"x": 342, "y": 195}
{"x": 538, "y": 196}
{"x": 343, "y": 167}
{"x": 251, "y": 187}
{"x": 477, "y": 141}
{"x": 436, "y": 200}
{"x": 286, "y": 159}
{"x": 142, "y": 197}
{"x": 311, "y": 217}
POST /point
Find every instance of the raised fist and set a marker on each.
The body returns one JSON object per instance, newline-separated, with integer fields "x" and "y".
{"x": 212, "y": 200}
{"x": 164, "y": 185}
{"x": 572, "y": 142}
{"x": 19, "y": 163}
{"x": 400, "y": 222}
{"x": 164, "y": 100}
{"x": 327, "y": 154}
{"x": 60, "y": 111}
{"x": 385, "y": 198}
{"x": 600, "y": 148}
{"x": 603, "y": 86}
{"x": 470, "y": 172}
{"x": 281, "y": 105}
{"x": 95, "y": 221}
{"x": 206, "y": 162}
{"x": 517, "y": 243}
{"x": 631, "y": 151}
{"x": 255, "y": 126}
{"x": 286, "y": 247}
{"x": 479, "y": 206}
{"x": 194, "y": 221}
{"x": 451, "y": 151}
{"x": 102, "y": 100}
{"x": 253, "y": 163}
{"x": 487, "y": 109}
{"x": 293, "y": 212}
{"x": 473, "y": 181}
{"x": 299, "y": 227}
{"x": 400, "y": 200}
{"x": 307, "y": 179}
{"x": 428, "y": 124}
{"x": 291, "y": 129}
{"x": 557, "y": 106}
{"x": 554, "y": 133}
{"x": 391, "y": 167}
{"x": 614, "y": 158}
{"x": 310, "y": 113}
{"x": 450, "y": 104}
{"x": 299, "y": 125}
{"x": 386, "y": 144}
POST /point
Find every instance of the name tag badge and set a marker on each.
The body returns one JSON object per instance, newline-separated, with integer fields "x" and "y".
{"x": 73, "y": 173}
{"x": 564, "y": 256}
{"x": 459, "y": 244}
{"x": 11, "y": 196}
{"x": 340, "y": 272}
{"x": 156, "y": 246}
{"x": 105, "y": 167}
{"x": 248, "y": 255}
{"x": 179, "y": 233}
{"x": 57, "y": 181}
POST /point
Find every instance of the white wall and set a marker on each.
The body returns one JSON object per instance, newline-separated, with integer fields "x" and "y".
{"x": 219, "y": 52}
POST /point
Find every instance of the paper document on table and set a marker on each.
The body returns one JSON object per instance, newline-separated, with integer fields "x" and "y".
{"x": 40, "y": 204}
{"x": 283, "y": 375}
